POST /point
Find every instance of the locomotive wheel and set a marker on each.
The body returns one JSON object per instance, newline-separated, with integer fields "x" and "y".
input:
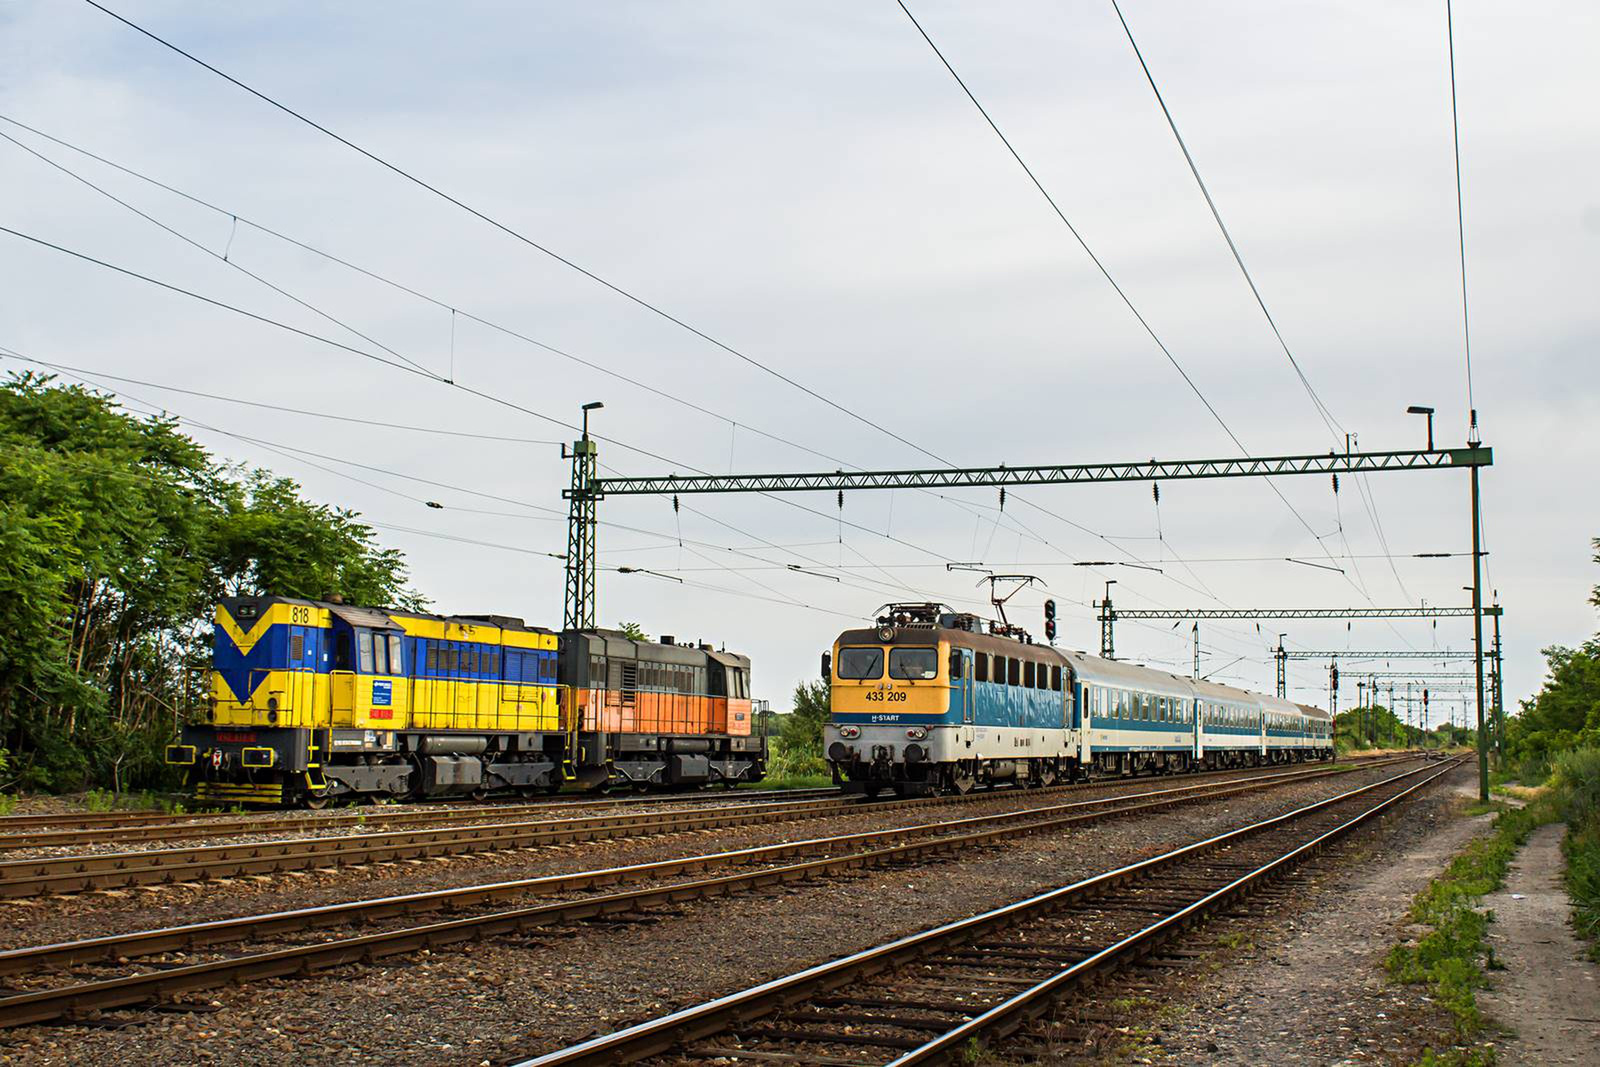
{"x": 315, "y": 801}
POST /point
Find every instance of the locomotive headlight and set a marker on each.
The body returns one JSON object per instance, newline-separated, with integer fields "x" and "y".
{"x": 850, "y": 732}
{"x": 917, "y": 733}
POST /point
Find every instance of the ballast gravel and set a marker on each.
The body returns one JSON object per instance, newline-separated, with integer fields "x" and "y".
{"x": 104, "y": 912}
{"x": 497, "y": 1001}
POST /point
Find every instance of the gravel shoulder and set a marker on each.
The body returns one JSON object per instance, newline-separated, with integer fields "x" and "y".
{"x": 1306, "y": 985}
{"x": 518, "y": 996}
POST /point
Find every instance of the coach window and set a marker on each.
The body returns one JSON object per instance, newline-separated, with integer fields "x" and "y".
{"x": 980, "y": 667}
{"x": 1027, "y": 674}
{"x": 914, "y": 663}
{"x": 859, "y": 663}
{"x": 1013, "y": 671}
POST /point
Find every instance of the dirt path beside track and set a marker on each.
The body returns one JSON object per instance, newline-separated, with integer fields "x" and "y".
{"x": 1549, "y": 993}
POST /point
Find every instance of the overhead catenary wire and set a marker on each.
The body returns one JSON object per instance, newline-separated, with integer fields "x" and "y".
{"x": 310, "y": 458}
{"x": 403, "y": 287}
{"x": 380, "y": 359}
{"x": 220, "y": 256}
{"x": 301, "y": 456}
{"x": 101, "y": 7}
{"x": 389, "y": 424}
{"x": 621, "y": 291}
{"x": 1461, "y": 224}
{"x": 1099, "y": 264}
{"x": 235, "y": 217}
{"x": 518, "y": 235}
{"x": 1335, "y": 428}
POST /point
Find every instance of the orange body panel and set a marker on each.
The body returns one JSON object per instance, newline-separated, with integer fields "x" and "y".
{"x": 739, "y": 717}
{"x": 660, "y": 712}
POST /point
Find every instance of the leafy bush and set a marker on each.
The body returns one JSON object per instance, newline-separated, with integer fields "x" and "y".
{"x": 1577, "y": 785}
{"x": 1577, "y": 793}
{"x": 786, "y": 762}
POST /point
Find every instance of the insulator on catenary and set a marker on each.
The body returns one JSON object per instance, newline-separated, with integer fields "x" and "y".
{"x": 1155, "y": 491}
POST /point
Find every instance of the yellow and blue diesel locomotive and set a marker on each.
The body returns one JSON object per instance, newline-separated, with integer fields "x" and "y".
{"x": 314, "y": 700}
{"x": 927, "y": 701}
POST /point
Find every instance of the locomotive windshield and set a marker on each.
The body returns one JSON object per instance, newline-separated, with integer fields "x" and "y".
{"x": 860, "y": 663}
{"x": 913, "y": 663}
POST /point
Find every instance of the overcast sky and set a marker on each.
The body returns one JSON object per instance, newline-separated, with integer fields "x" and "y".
{"x": 805, "y": 183}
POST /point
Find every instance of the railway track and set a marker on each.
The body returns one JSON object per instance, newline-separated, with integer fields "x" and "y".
{"x": 941, "y": 995}
{"x": 77, "y": 828}
{"x": 112, "y": 870}
{"x": 174, "y": 975}
{"x": 158, "y": 826}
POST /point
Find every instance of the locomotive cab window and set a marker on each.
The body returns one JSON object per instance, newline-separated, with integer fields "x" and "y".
{"x": 1055, "y": 678}
{"x": 364, "y": 651}
{"x": 914, "y": 663}
{"x": 396, "y": 658}
{"x": 860, "y": 663}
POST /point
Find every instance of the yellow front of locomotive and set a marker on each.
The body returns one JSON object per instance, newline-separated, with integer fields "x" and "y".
{"x": 269, "y": 707}
{"x": 889, "y": 703}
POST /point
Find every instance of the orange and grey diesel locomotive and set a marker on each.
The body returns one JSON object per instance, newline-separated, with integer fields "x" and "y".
{"x": 928, "y": 701}
{"x": 313, "y": 700}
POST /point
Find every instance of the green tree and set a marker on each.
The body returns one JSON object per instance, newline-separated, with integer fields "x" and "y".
{"x": 801, "y": 730}
{"x": 632, "y": 631}
{"x": 117, "y": 536}
{"x": 1565, "y": 713}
